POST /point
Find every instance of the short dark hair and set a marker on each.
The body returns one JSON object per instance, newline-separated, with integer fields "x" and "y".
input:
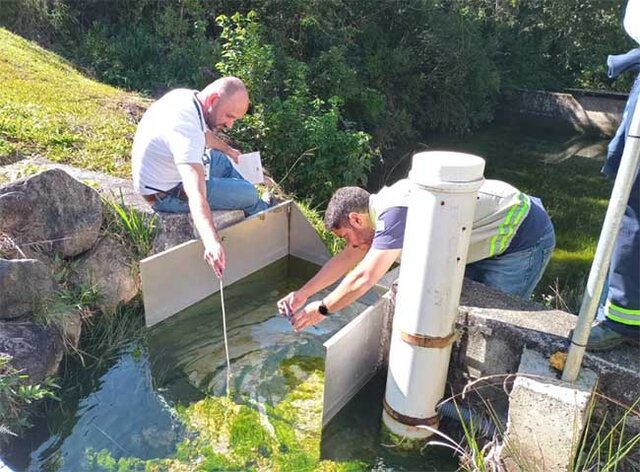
{"x": 344, "y": 201}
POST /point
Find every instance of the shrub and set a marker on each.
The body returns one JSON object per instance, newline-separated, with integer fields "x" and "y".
{"x": 15, "y": 394}
{"x": 305, "y": 141}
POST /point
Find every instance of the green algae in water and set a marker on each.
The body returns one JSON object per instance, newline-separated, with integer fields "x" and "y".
{"x": 233, "y": 435}
{"x": 161, "y": 405}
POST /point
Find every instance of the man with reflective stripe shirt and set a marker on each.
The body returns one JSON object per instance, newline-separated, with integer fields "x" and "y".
{"x": 512, "y": 239}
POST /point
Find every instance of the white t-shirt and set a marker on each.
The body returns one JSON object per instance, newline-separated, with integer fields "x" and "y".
{"x": 632, "y": 20}
{"x": 170, "y": 133}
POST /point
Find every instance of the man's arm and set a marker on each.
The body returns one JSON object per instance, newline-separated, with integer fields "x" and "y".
{"x": 213, "y": 141}
{"x": 330, "y": 272}
{"x": 374, "y": 265}
{"x": 194, "y": 185}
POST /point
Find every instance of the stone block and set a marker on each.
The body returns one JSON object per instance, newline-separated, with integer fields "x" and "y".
{"x": 547, "y": 416}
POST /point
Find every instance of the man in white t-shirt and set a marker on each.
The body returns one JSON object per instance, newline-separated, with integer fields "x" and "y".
{"x": 171, "y": 169}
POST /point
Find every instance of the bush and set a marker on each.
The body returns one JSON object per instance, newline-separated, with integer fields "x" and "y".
{"x": 305, "y": 141}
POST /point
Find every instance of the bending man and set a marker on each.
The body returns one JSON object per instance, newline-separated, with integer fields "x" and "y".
{"x": 174, "y": 174}
{"x": 511, "y": 243}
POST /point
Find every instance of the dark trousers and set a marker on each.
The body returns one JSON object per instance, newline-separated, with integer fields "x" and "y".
{"x": 623, "y": 301}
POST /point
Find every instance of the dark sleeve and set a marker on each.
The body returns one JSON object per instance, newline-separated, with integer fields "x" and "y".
{"x": 390, "y": 228}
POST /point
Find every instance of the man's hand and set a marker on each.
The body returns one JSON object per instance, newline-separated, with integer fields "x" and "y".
{"x": 233, "y": 153}
{"x": 214, "y": 256}
{"x": 306, "y": 317}
{"x": 295, "y": 301}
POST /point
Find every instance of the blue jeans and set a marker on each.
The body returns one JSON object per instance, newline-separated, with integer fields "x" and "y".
{"x": 516, "y": 273}
{"x": 226, "y": 190}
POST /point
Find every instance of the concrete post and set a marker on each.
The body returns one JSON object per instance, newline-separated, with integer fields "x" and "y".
{"x": 436, "y": 241}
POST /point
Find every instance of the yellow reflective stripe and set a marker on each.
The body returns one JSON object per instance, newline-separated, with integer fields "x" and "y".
{"x": 524, "y": 206}
{"x": 506, "y": 229}
{"x": 626, "y": 311}
{"x": 623, "y": 315}
{"x": 623, "y": 320}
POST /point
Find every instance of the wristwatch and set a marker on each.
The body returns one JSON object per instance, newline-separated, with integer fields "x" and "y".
{"x": 324, "y": 311}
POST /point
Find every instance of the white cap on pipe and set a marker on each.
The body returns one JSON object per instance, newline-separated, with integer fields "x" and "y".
{"x": 451, "y": 170}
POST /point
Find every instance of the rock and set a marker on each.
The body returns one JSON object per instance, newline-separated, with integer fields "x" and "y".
{"x": 72, "y": 329}
{"x": 35, "y": 348}
{"x": 9, "y": 249}
{"x": 53, "y": 210}
{"x": 178, "y": 228}
{"x": 23, "y": 282}
{"x": 108, "y": 267}
{"x": 173, "y": 229}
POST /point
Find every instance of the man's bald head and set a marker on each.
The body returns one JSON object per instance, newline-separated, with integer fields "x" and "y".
{"x": 224, "y": 101}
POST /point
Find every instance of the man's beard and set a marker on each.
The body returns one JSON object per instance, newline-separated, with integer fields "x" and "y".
{"x": 209, "y": 120}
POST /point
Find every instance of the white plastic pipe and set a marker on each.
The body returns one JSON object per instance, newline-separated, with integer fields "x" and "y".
{"x": 617, "y": 204}
{"x": 436, "y": 241}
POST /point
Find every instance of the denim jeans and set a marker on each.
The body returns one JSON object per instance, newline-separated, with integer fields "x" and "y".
{"x": 226, "y": 190}
{"x": 516, "y": 273}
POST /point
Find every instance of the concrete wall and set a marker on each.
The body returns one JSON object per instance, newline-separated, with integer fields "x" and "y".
{"x": 583, "y": 111}
{"x": 494, "y": 330}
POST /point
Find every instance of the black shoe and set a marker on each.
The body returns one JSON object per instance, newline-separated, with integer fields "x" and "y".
{"x": 603, "y": 338}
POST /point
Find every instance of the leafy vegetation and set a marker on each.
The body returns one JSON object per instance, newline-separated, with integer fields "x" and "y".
{"x": 15, "y": 393}
{"x": 134, "y": 228}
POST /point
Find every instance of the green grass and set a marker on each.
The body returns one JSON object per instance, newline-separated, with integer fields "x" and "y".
{"x": 135, "y": 229}
{"x": 49, "y": 108}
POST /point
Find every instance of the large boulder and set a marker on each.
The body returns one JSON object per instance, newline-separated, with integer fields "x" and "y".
{"x": 178, "y": 228}
{"x": 109, "y": 268}
{"x": 23, "y": 283}
{"x": 52, "y": 210}
{"x": 37, "y": 349}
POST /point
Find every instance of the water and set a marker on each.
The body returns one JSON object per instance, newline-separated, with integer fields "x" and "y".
{"x": 128, "y": 409}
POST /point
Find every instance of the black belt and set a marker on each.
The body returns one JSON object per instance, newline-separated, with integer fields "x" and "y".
{"x": 176, "y": 192}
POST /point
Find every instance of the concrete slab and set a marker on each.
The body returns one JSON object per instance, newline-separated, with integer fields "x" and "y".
{"x": 547, "y": 416}
{"x": 494, "y": 328}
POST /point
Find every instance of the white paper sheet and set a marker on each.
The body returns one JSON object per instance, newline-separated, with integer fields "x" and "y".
{"x": 250, "y": 167}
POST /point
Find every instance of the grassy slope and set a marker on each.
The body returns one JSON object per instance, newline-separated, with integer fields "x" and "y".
{"x": 48, "y": 107}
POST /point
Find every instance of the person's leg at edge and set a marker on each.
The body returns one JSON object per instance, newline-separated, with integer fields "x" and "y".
{"x": 622, "y": 309}
{"x": 606, "y": 332}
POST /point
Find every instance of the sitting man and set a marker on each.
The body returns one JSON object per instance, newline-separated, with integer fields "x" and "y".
{"x": 171, "y": 169}
{"x": 511, "y": 243}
